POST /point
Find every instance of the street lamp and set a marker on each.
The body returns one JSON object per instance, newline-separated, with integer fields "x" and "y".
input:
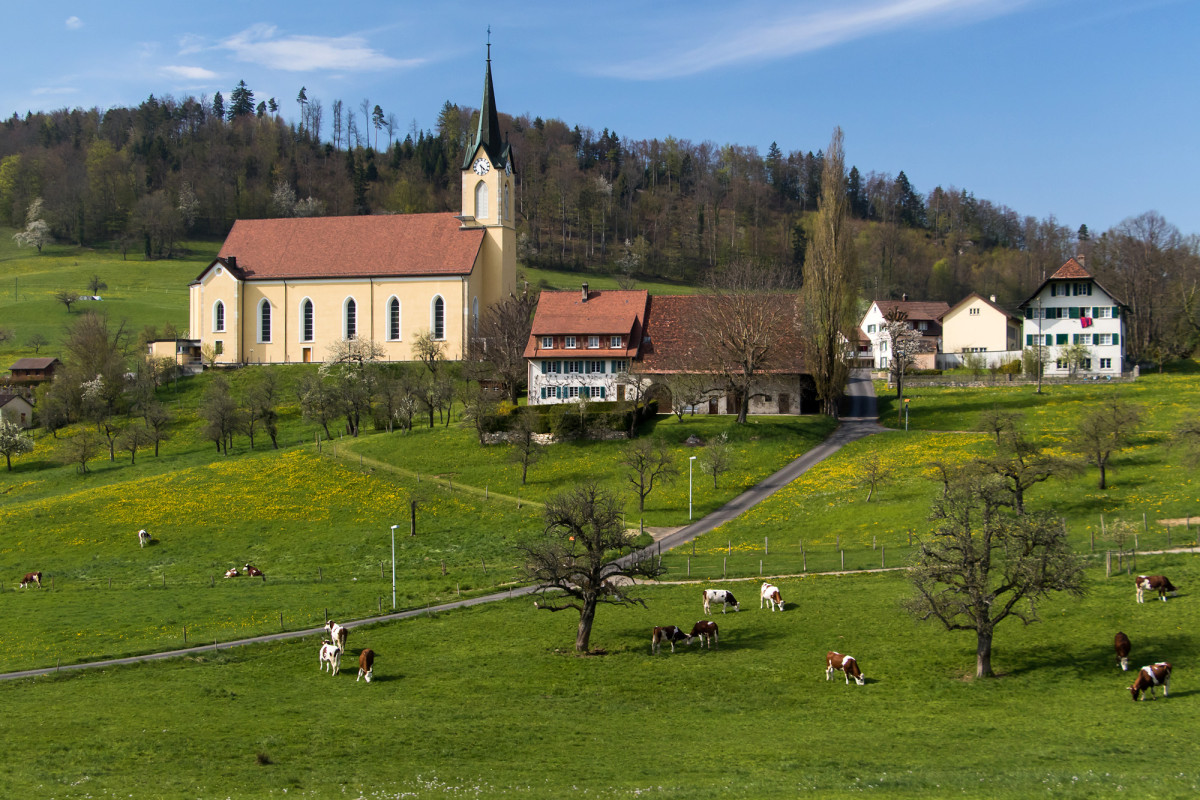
{"x": 691, "y": 461}
{"x": 906, "y": 402}
{"x": 394, "y": 566}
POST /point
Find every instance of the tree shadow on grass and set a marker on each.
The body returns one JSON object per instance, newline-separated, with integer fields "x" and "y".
{"x": 1089, "y": 659}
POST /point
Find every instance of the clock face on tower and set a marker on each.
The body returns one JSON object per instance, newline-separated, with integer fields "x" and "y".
{"x": 481, "y": 166}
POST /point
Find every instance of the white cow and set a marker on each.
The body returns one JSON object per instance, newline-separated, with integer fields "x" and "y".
{"x": 337, "y": 633}
{"x": 331, "y": 654}
{"x": 769, "y": 594}
{"x": 722, "y": 596}
{"x": 143, "y": 538}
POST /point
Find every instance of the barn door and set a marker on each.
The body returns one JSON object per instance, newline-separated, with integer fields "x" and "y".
{"x": 713, "y": 407}
{"x": 785, "y": 404}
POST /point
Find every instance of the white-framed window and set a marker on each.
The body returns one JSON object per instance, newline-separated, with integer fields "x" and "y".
{"x": 1104, "y": 338}
{"x": 264, "y": 321}
{"x": 574, "y": 367}
{"x": 922, "y": 326}
{"x": 350, "y": 318}
{"x": 437, "y": 317}
{"x": 572, "y": 391}
{"x": 1106, "y": 363}
{"x": 481, "y": 200}
{"x": 1104, "y": 312}
{"x": 306, "y": 320}
{"x": 620, "y": 365}
{"x": 1082, "y": 289}
{"x": 393, "y": 319}
{"x": 1086, "y": 364}
{"x": 593, "y": 342}
{"x": 872, "y": 328}
{"x": 569, "y": 342}
{"x": 614, "y": 342}
{"x": 219, "y": 347}
{"x": 883, "y": 345}
{"x": 974, "y": 312}
{"x": 547, "y": 342}
{"x": 551, "y": 367}
{"x": 218, "y": 317}
{"x": 596, "y": 367}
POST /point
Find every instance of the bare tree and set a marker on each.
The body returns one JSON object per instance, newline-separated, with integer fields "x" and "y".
{"x": 717, "y": 457}
{"x": 81, "y": 448}
{"x": 220, "y": 413}
{"x": 1020, "y": 463}
{"x": 648, "y": 462}
{"x": 981, "y": 565}
{"x": 874, "y": 471}
{"x": 741, "y": 326}
{"x": 1107, "y": 429}
{"x": 498, "y": 346}
{"x": 350, "y": 366}
{"x": 573, "y": 564}
{"x": 688, "y": 390}
{"x": 67, "y": 297}
{"x": 829, "y": 291}
{"x": 523, "y": 447}
{"x": 134, "y": 438}
{"x": 319, "y": 401}
{"x": 95, "y": 285}
{"x": 1187, "y": 436}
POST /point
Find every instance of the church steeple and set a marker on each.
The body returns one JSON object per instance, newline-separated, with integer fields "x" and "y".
{"x": 487, "y": 134}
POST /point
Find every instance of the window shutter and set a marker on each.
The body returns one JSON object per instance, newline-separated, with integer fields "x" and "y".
{"x": 543, "y": 392}
{"x": 1075, "y": 339}
{"x": 1089, "y": 291}
{"x": 1116, "y": 312}
{"x": 587, "y": 367}
{"x": 1028, "y": 313}
{"x": 1075, "y": 312}
{"x": 1116, "y": 338}
{"x": 1029, "y": 340}
{"x": 603, "y": 392}
{"x": 1053, "y": 290}
{"x": 1049, "y": 339}
{"x": 1061, "y": 338}
{"x": 1095, "y": 311}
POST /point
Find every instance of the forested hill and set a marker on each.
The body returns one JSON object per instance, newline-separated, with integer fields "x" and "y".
{"x": 140, "y": 179}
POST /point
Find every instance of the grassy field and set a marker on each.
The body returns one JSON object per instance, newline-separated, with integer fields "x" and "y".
{"x": 491, "y": 702}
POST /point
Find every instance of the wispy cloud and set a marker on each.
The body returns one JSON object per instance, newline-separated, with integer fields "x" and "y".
{"x": 74, "y": 23}
{"x": 806, "y": 31}
{"x": 52, "y": 90}
{"x": 263, "y": 44}
{"x": 189, "y": 73}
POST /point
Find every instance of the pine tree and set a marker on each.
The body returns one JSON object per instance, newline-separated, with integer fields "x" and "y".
{"x": 241, "y": 101}
{"x": 218, "y": 106}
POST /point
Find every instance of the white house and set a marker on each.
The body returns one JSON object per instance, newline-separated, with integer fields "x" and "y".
{"x": 925, "y": 316}
{"x": 977, "y": 324}
{"x": 1071, "y": 307}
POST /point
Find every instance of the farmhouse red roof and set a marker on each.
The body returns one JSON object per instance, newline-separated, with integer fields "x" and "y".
{"x": 1071, "y": 269}
{"x": 604, "y": 313}
{"x": 368, "y": 246}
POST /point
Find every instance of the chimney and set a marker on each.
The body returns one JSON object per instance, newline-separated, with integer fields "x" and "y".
{"x": 585, "y": 292}
{"x": 993, "y": 298}
{"x": 231, "y": 261}
{"x": 904, "y": 297}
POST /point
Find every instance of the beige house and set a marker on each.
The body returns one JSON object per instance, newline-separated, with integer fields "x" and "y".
{"x": 286, "y": 290}
{"x": 978, "y": 325}
{"x": 16, "y": 409}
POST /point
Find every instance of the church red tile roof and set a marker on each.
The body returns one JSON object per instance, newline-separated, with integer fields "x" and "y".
{"x": 352, "y": 247}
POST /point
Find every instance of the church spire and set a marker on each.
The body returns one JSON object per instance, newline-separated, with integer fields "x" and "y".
{"x": 487, "y": 135}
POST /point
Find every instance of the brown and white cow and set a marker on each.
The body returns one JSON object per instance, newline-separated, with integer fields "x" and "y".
{"x": 1150, "y": 676}
{"x": 253, "y": 572}
{"x": 847, "y": 664}
{"x": 143, "y": 538}
{"x": 669, "y": 634}
{"x": 337, "y": 633}
{"x": 769, "y": 594}
{"x": 1122, "y": 646}
{"x": 722, "y": 596}
{"x": 31, "y": 577}
{"x": 232, "y": 572}
{"x": 366, "y": 665}
{"x": 330, "y": 654}
{"x": 707, "y": 631}
{"x": 1153, "y": 583}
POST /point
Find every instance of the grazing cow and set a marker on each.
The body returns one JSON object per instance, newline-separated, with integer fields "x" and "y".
{"x": 667, "y": 633}
{"x": 707, "y": 631}
{"x": 337, "y": 633}
{"x": 232, "y": 572}
{"x": 253, "y": 572}
{"x": 847, "y": 664}
{"x": 32, "y": 577}
{"x": 1122, "y": 646}
{"x": 143, "y": 538}
{"x": 770, "y": 594}
{"x": 1154, "y": 583}
{"x": 725, "y": 598}
{"x": 331, "y": 654}
{"x": 366, "y": 665}
{"x": 1150, "y": 676}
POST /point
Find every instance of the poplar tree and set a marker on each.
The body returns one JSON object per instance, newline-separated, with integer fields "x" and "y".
{"x": 829, "y": 280}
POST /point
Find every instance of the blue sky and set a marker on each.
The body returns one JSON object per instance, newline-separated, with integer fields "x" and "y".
{"x": 1084, "y": 109}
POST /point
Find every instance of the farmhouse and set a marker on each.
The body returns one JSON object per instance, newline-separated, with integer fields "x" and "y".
{"x": 603, "y": 344}
{"x": 286, "y": 290}
{"x": 32, "y": 371}
{"x": 16, "y": 409}
{"x": 1078, "y": 321}
{"x": 924, "y": 316}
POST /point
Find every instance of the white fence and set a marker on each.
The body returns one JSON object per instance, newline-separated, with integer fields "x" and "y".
{"x": 994, "y": 358}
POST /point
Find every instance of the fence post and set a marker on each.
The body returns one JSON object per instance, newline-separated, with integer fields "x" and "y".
{"x": 760, "y": 568}
{"x": 1145, "y": 524}
{"x": 725, "y": 567}
{"x": 185, "y": 634}
{"x": 1093, "y": 535}
{"x": 843, "y": 552}
{"x": 1108, "y": 564}
{"x": 443, "y": 567}
{"x": 1102, "y": 531}
{"x": 803, "y": 560}
{"x": 689, "y": 566}
{"x": 1168, "y": 536}
{"x": 766, "y": 545}
{"x": 457, "y": 589}
{"x": 381, "y": 575}
{"x": 481, "y": 561}
{"x": 280, "y": 620}
{"x": 320, "y": 575}
{"x": 883, "y": 557}
{"x": 839, "y": 541}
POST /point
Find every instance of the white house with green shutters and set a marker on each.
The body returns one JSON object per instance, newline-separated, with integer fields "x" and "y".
{"x": 1072, "y": 308}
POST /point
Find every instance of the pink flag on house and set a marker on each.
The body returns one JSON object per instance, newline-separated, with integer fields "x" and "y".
{"x": 1085, "y": 322}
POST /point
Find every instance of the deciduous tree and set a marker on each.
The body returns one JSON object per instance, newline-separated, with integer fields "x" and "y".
{"x": 37, "y": 231}
{"x": 575, "y": 564}
{"x": 13, "y": 441}
{"x": 1108, "y": 428}
{"x": 648, "y": 462}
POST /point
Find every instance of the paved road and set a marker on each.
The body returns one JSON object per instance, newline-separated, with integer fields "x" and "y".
{"x": 861, "y": 423}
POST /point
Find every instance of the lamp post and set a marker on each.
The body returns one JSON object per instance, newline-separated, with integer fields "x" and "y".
{"x": 691, "y": 461}
{"x": 906, "y": 401}
{"x": 394, "y": 566}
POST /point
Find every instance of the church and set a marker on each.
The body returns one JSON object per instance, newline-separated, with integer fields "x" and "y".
{"x": 285, "y": 290}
